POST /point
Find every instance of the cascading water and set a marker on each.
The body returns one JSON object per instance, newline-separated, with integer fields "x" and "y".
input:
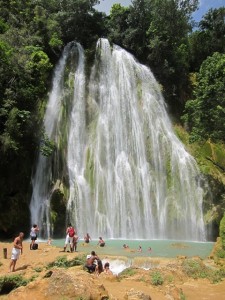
{"x": 79, "y": 206}
{"x": 43, "y": 177}
{"x": 129, "y": 175}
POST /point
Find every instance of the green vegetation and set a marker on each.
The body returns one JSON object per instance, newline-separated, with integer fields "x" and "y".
{"x": 156, "y": 278}
{"x": 206, "y": 112}
{"x": 219, "y": 253}
{"x": 127, "y": 273}
{"x": 189, "y": 65}
{"x": 222, "y": 232}
{"x": 38, "y": 269}
{"x": 196, "y": 269}
{"x": 47, "y": 147}
{"x": 62, "y": 262}
{"x": 182, "y": 296}
{"x": 9, "y": 283}
{"x": 33, "y": 34}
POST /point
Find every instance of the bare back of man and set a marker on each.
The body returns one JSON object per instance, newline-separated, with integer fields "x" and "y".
{"x": 16, "y": 251}
{"x": 90, "y": 262}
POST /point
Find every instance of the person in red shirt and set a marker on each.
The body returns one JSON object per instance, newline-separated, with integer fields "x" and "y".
{"x": 70, "y": 232}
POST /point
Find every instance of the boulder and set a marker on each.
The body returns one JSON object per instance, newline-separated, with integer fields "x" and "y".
{"x": 136, "y": 295}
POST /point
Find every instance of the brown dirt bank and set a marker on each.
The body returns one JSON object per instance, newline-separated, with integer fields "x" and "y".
{"x": 75, "y": 283}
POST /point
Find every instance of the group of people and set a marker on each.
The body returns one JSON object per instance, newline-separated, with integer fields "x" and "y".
{"x": 71, "y": 240}
{"x": 125, "y": 246}
{"x": 140, "y": 249}
{"x": 87, "y": 240}
{"x": 94, "y": 265}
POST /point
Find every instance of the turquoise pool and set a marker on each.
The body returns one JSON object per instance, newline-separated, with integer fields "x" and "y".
{"x": 159, "y": 248}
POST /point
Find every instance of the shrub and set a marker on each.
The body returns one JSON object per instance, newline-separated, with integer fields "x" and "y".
{"x": 9, "y": 283}
{"x": 157, "y": 278}
{"x": 128, "y": 272}
{"x": 38, "y": 269}
{"x": 222, "y": 232}
{"x": 62, "y": 262}
{"x": 220, "y": 253}
{"x": 195, "y": 268}
{"x": 182, "y": 296}
{"x": 216, "y": 276}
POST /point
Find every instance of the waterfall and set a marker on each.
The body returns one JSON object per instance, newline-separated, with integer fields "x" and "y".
{"x": 43, "y": 177}
{"x": 129, "y": 175}
{"x": 79, "y": 206}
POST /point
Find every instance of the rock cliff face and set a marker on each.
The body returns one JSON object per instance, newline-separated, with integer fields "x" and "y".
{"x": 210, "y": 159}
{"x": 16, "y": 195}
{"x": 212, "y": 164}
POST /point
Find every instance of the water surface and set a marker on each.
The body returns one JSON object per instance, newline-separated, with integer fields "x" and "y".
{"x": 159, "y": 248}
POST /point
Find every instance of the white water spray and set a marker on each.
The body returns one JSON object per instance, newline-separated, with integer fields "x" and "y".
{"x": 129, "y": 175}
{"x": 43, "y": 177}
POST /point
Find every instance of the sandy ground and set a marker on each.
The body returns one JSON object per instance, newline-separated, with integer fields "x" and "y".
{"x": 30, "y": 261}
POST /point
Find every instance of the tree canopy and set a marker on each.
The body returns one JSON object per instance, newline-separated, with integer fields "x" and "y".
{"x": 205, "y": 114}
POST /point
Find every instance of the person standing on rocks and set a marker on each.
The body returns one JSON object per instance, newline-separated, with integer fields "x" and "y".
{"x": 16, "y": 251}
{"x": 101, "y": 242}
{"x": 75, "y": 242}
{"x": 33, "y": 235}
{"x": 70, "y": 232}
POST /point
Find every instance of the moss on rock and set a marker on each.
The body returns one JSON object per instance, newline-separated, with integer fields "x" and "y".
{"x": 211, "y": 162}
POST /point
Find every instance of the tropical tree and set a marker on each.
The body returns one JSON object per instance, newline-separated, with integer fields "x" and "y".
{"x": 32, "y": 35}
{"x": 205, "y": 113}
{"x": 168, "y": 47}
{"x": 209, "y": 38}
{"x": 117, "y": 24}
{"x": 156, "y": 31}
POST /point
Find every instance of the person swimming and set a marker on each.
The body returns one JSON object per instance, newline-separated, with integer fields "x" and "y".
{"x": 139, "y": 249}
{"x": 87, "y": 238}
{"x": 101, "y": 242}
